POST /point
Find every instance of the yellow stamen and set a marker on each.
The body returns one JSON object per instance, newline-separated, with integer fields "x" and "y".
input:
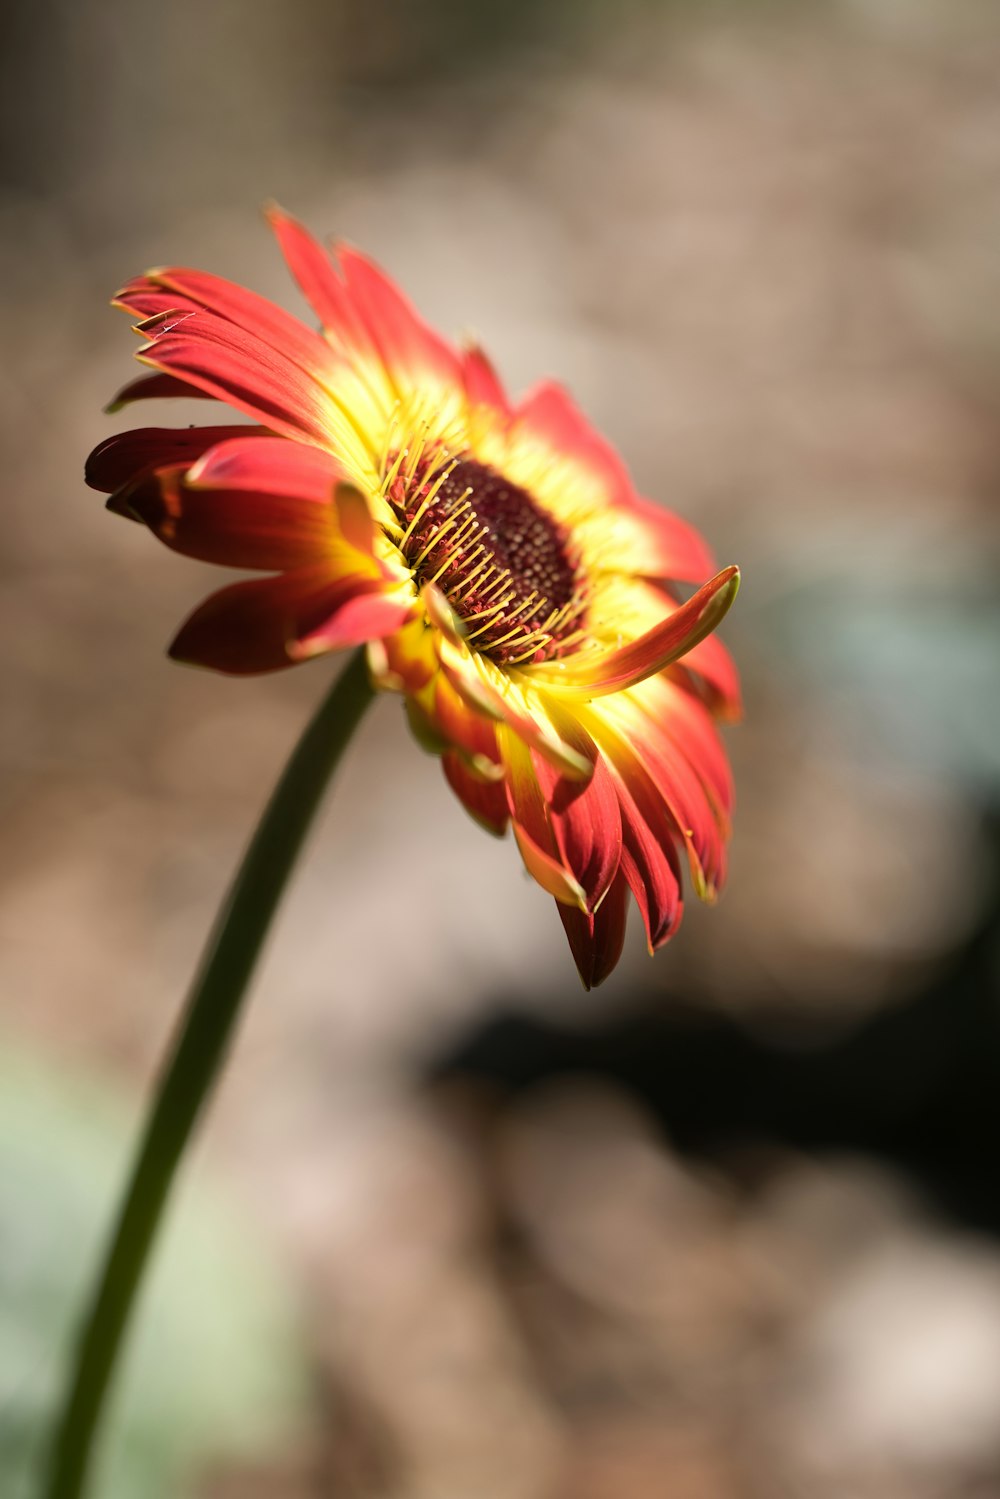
{"x": 449, "y": 525}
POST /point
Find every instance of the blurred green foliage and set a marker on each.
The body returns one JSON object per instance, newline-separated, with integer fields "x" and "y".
{"x": 215, "y": 1368}
{"x": 914, "y": 647}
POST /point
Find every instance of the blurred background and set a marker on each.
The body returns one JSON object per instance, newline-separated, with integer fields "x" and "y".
{"x": 727, "y": 1228}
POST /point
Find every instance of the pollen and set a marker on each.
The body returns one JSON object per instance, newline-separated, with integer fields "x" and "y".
{"x": 504, "y": 564}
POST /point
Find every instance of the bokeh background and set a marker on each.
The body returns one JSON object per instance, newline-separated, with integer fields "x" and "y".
{"x": 727, "y": 1228}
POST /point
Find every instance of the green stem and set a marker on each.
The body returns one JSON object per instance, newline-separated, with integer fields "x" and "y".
{"x": 198, "y": 1054}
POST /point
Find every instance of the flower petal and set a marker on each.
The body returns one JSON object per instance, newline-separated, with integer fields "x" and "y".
{"x": 660, "y": 780}
{"x": 688, "y": 725}
{"x": 534, "y": 835}
{"x": 613, "y": 671}
{"x": 356, "y": 522}
{"x": 482, "y": 383}
{"x": 664, "y": 545}
{"x": 464, "y": 675}
{"x": 649, "y": 831}
{"x": 549, "y": 413}
{"x": 486, "y": 801}
{"x": 235, "y": 366}
{"x": 234, "y": 527}
{"x": 318, "y": 277}
{"x": 596, "y": 939}
{"x": 178, "y": 288}
{"x": 412, "y": 352}
{"x": 586, "y": 822}
{"x": 405, "y": 661}
{"x": 267, "y": 465}
{"x": 469, "y": 732}
{"x": 265, "y": 624}
{"x": 645, "y": 539}
{"x": 547, "y": 872}
{"x": 710, "y": 670}
{"x": 367, "y": 616}
{"x": 649, "y": 863}
{"x": 119, "y": 459}
{"x": 154, "y": 388}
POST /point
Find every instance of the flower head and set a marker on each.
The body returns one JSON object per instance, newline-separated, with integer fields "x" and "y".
{"x": 494, "y": 557}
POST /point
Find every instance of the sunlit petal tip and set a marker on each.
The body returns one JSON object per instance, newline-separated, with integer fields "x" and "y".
{"x": 125, "y": 297}
{"x": 547, "y": 872}
{"x": 160, "y": 323}
{"x": 628, "y": 665}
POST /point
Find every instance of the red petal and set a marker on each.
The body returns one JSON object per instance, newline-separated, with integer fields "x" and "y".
{"x": 154, "y": 388}
{"x": 482, "y": 383}
{"x": 534, "y": 835}
{"x": 548, "y": 872}
{"x": 676, "y": 550}
{"x": 486, "y": 801}
{"x": 596, "y": 941}
{"x": 613, "y": 671}
{"x": 268, "y": 465}
{"x": 687, "y": 798}
{"x": 669, "y": 712}
{"x": 367, "y": 616}
{"x": 660, "y": 780}
{"x": 550, "y": 413}
{"x": 411, "y": 350}
{"x": 650, "y": 864}
{"x": 233, "y": 527}
{"x": 317, "y": 275}
{"x": 235, "y": 366}
{"x": 121, "y": 458}
{"x": 177, "y": 288}
{"x": 710, "y": 670}
{"x": 586, "y": 821}
{"x": 473, "y": 735}
{"x": 258, "y": 626}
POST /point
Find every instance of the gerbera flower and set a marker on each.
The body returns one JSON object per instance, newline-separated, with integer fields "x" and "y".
{"x": 494, "y": 557}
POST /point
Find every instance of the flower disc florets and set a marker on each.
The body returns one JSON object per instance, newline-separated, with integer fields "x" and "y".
{"x": 506, "y": 567}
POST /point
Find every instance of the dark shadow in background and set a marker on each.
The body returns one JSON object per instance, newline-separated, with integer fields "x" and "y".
{"x": 918, "y": 1085}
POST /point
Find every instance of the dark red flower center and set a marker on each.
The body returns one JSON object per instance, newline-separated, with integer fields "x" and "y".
{"x": 502, "y": 562}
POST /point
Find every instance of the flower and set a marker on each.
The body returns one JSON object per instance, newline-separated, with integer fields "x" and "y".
{"x": 494, "y": 557}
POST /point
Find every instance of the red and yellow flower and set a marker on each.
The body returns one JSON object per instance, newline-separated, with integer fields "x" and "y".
{"x": 493, "y": 556}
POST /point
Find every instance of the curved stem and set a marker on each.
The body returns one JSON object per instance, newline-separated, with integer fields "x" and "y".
{"x": 198, "y": 1052}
